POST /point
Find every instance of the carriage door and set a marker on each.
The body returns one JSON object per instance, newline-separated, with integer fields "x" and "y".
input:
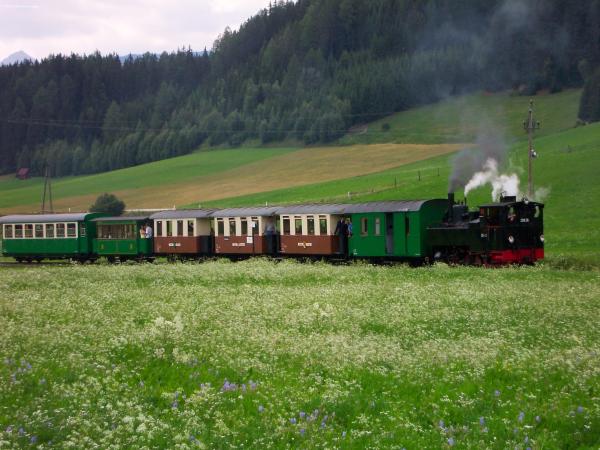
{"x": 389, "y": 234}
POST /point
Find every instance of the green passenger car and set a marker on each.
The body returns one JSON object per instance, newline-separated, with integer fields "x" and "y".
{"x": 37, "y": 237}
{"x": 394, "y": 229}
{"x": 124, "y": 238}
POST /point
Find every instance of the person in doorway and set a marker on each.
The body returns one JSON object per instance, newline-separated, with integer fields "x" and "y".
{"x": 149, "y": 232}
{"x": 348, "y": 227}
{"x": 341, "y": 230}
{"x": 142, "y": 233}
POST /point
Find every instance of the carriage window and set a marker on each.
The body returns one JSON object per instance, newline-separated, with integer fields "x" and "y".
{"x": 169, "y": 228}
{"x": 39, "y": 230}
{"x": 364, "y": 226}
{"x": 298, "y": 225}
{"x": 60, "y": 230}
{"x": 310, "y": 222}
{"x": 28, "y": 230}
{"x": 159, "y": 227}
{"x": 220, "y": 227}
{"x": 71, "y": 229}
{"x": 286, "y": 225}
{"x": 8, "y": 231}
{"x": 82, "y": 230}
{"x": 49, "y": 230}
{"x": 180, "y": 228}
{"x": 254, "y": 225}
{"x": 323, "y": 225}
{"x": 18, "y": 231}
{"x": 190, "y": 228}
{"x": 244, "y": 226}
{"x": 377, "y": 226}
{"x": 233, "y": 227}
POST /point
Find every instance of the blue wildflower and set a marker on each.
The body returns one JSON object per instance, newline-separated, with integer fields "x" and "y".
{"x": 174, "y": 405}
{"x": 261, "y": 408}
{"x": 302, "y": 414}
{"x": 33, "y": 439}
{"x": 451, "y": 441}
{"x": 521, "y": 416}
{"x": 343, "y": 434}
{"x": 293, "y": 421}
{"x": 442, "y": 424}
{"x": 538, "y": 419}
{"x": 21, "y": 431}
{"x": 580, "y": 409}
{"x": 481, "y": 421}
{"x": 497, "y": 393}
{"x": 302, "y": 431}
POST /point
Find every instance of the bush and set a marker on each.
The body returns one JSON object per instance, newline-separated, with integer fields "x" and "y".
{"x": 108, "y": 204}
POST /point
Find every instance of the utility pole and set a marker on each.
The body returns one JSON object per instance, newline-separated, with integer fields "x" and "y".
{"x": 530, "y": 126}
{"x": 47, "y": 192}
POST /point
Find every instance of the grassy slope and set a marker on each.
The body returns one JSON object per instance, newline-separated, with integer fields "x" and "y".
{"x": 160, "y": 173}
{"x": 377, "y": 357}
{"x": 458, "y": 119}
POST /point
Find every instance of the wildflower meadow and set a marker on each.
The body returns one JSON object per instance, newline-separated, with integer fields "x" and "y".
{"x": 259, "y": 354}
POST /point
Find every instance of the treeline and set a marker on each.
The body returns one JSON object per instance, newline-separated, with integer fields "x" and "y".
{"x": 305, "y": 70}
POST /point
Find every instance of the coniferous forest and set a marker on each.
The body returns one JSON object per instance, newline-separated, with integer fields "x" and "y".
{"x": 305, "y": 70}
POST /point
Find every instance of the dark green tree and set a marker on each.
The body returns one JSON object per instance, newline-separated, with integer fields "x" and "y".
{"x": 108, "y": 204}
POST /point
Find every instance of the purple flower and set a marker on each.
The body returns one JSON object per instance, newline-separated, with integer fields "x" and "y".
{"x": 521, "y": 416}
{"x": 450, "y": 441}
{"x": 481, "y": 421}
{"x": 33, "y": 439}
{"x": 302, "y": 431}
{"x": 9, "y": 429}
{"x": 293, "y": 421}
{"x": 442, "y": 425}
{"x": 302, "y": 414}
{"x": 580, "y": 409}
{"x": 261, "y": 408}
{"x": 21, "y": 431}
{"x": 497, "y": 393}
{"x": 174, "y": 405}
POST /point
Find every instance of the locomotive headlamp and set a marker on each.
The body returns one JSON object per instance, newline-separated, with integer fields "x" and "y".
{"x": 511, "y": 239}
{"x": 542, "y": 238}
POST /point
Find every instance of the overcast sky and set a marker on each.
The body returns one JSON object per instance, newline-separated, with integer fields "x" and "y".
{"x": 42, "y": 27}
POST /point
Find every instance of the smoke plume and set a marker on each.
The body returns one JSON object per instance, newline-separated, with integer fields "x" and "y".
{"x": 490, "y": 145}
{"x": 501, "y": 183}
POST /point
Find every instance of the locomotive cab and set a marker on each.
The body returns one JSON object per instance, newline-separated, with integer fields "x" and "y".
{"x": 512, "y": 231}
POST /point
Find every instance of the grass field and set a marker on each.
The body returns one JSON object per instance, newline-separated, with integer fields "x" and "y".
{"x": 459, "y": 119}
{"x": 264, "y": 355}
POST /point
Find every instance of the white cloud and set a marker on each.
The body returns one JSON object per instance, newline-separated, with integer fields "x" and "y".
{"x": 42, "y": 27}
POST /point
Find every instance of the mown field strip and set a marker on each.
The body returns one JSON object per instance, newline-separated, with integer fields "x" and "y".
{"x": 289, "y": 169}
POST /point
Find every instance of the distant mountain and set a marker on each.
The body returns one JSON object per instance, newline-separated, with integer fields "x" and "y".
{"x": 16, "y": 57}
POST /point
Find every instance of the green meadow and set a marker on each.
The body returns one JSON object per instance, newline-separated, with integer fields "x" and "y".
{"x": 257, "y": 354}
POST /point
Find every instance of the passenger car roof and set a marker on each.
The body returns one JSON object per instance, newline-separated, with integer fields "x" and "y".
{"x": 42, "y": 218}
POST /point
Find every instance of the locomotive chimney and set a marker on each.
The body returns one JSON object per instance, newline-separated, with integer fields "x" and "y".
{"x": 450, "y": 206}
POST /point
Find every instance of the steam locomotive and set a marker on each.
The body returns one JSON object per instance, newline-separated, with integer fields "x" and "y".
{"x": 424, "y": 231}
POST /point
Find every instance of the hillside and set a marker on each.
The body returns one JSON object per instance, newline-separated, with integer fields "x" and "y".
{"x": 305, "y": 70}
{"x": 219, "y": 174}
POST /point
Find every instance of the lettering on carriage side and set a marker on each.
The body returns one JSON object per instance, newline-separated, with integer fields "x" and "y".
{"x": 525, "y": 220}
{"x": 174, "y": 244}
{"x": 238, "y": 244}
{"x": 304, "y": 244}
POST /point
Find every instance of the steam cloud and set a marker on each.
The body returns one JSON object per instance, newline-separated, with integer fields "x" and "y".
{"x": 501, "y": 183}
